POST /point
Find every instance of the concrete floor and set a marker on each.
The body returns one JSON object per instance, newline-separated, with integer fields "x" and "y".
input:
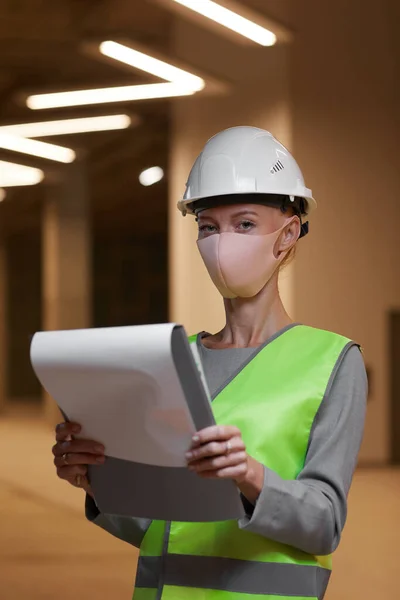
{"x": 48, "y": 551}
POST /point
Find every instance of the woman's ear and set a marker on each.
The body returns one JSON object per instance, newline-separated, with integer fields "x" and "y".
{"x": 289, "y": 237}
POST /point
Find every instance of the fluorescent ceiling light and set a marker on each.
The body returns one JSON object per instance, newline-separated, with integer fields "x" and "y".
{"x": 35, "y": 148}
{"x": 127, "y": 93}
{"x": 3, "y": 194}
{"x": 180, "y": 83}
{"x": 231, "y": 20}
{"x": 68, "y": 126}
{"x": 151, "y": 65}
{"x": 12, "y": 174}
{"x": 151, "y": 176}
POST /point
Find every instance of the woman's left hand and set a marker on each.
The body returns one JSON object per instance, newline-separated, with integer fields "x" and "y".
{"x": 219, "y": 452}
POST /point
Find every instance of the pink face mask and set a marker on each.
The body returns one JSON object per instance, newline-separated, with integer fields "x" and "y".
{"x": 240, "y": 265}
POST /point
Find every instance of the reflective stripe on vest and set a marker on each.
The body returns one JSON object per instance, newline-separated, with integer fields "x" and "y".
{"x": 273, "y": 400}
{"x": 241, "y": 577}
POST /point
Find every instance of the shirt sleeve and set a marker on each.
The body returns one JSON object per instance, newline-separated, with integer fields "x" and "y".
{"x": 309, "y": 513}
{"x": 127, "y": 529}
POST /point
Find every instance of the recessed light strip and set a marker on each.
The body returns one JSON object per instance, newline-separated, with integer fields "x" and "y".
{"x": 34, "y": 148}
{"x": 126, "y": 93}
{"x": 13, "y": 174}
{"x": 149, "y": 64}
{"x": 231, "y": 20}
{"x": 68, "y": 126}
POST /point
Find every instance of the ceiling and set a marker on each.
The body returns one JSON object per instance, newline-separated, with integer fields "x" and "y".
{"x": 41, "y": 49}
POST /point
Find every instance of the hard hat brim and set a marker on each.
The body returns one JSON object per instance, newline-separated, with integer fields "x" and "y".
{"x": 186, "y": 206}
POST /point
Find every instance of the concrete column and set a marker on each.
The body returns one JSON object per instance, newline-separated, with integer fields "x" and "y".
{"x": 259, "y": 96}
{"x": 3, "y": 327}
{"x": 66, "y": 259}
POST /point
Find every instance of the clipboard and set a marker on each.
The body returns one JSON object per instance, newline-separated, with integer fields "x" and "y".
{"x": 141, "y": 392}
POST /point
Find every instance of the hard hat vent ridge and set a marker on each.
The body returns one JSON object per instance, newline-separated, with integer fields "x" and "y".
{"x": 278, "y": 166}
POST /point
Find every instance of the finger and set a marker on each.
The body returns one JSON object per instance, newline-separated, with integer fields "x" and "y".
{"x": 80, "y": 481}
{"x": 78, "y": 459}
{"x": 236, "y": 473}
{"x": 64, "y": 430}
{"x": 216, "y": 448}
{"x": 219, "y": 462}
{"x": 69, "y": 472}
{"x": 215, "y": 433}
{"x": 78, "y": 446}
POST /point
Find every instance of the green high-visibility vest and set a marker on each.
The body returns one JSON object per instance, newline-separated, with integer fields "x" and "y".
{"x": 273, "y": 401}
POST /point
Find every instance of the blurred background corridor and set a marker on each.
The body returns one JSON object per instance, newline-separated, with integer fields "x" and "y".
{"x": 96, "y": 141}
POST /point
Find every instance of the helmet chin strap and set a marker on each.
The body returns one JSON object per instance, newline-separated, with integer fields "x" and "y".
{"x": 305, "y": 228}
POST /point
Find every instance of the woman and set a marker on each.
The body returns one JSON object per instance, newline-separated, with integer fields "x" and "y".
{"x": 289, "y": 400}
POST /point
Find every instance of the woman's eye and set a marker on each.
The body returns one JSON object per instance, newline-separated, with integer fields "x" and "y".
{"x": 207, "y": 228}
{"x": 246, "y": 225}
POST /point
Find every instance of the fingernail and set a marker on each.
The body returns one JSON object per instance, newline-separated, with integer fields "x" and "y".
{"x": 100, "y": 459}
{"x": 192, "y": 468}
{"x": 195, "y": 438}
{"x": 76, "y": 429}
{"x": 64, "y": 446}
{"x": 189, "y": 455}
{"x": 99, "y": 449}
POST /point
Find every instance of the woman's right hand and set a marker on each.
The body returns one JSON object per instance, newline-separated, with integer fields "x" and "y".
{"x": 72, "y": 456}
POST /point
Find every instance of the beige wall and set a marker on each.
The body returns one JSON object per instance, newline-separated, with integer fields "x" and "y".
{"x": 3, "y": 326}
{"x": 332, "y": 97}
{"x": 345, "y": 136}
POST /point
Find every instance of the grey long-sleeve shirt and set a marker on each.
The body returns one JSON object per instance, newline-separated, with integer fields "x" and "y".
{"x": 307, "y": 513}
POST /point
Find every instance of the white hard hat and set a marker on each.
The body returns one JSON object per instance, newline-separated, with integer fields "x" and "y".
{"x": 244, "y": 160}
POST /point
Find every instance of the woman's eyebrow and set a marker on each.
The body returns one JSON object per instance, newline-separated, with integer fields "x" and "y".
{"x": 243, "y": 212}
{"x": 240, "y": 213}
